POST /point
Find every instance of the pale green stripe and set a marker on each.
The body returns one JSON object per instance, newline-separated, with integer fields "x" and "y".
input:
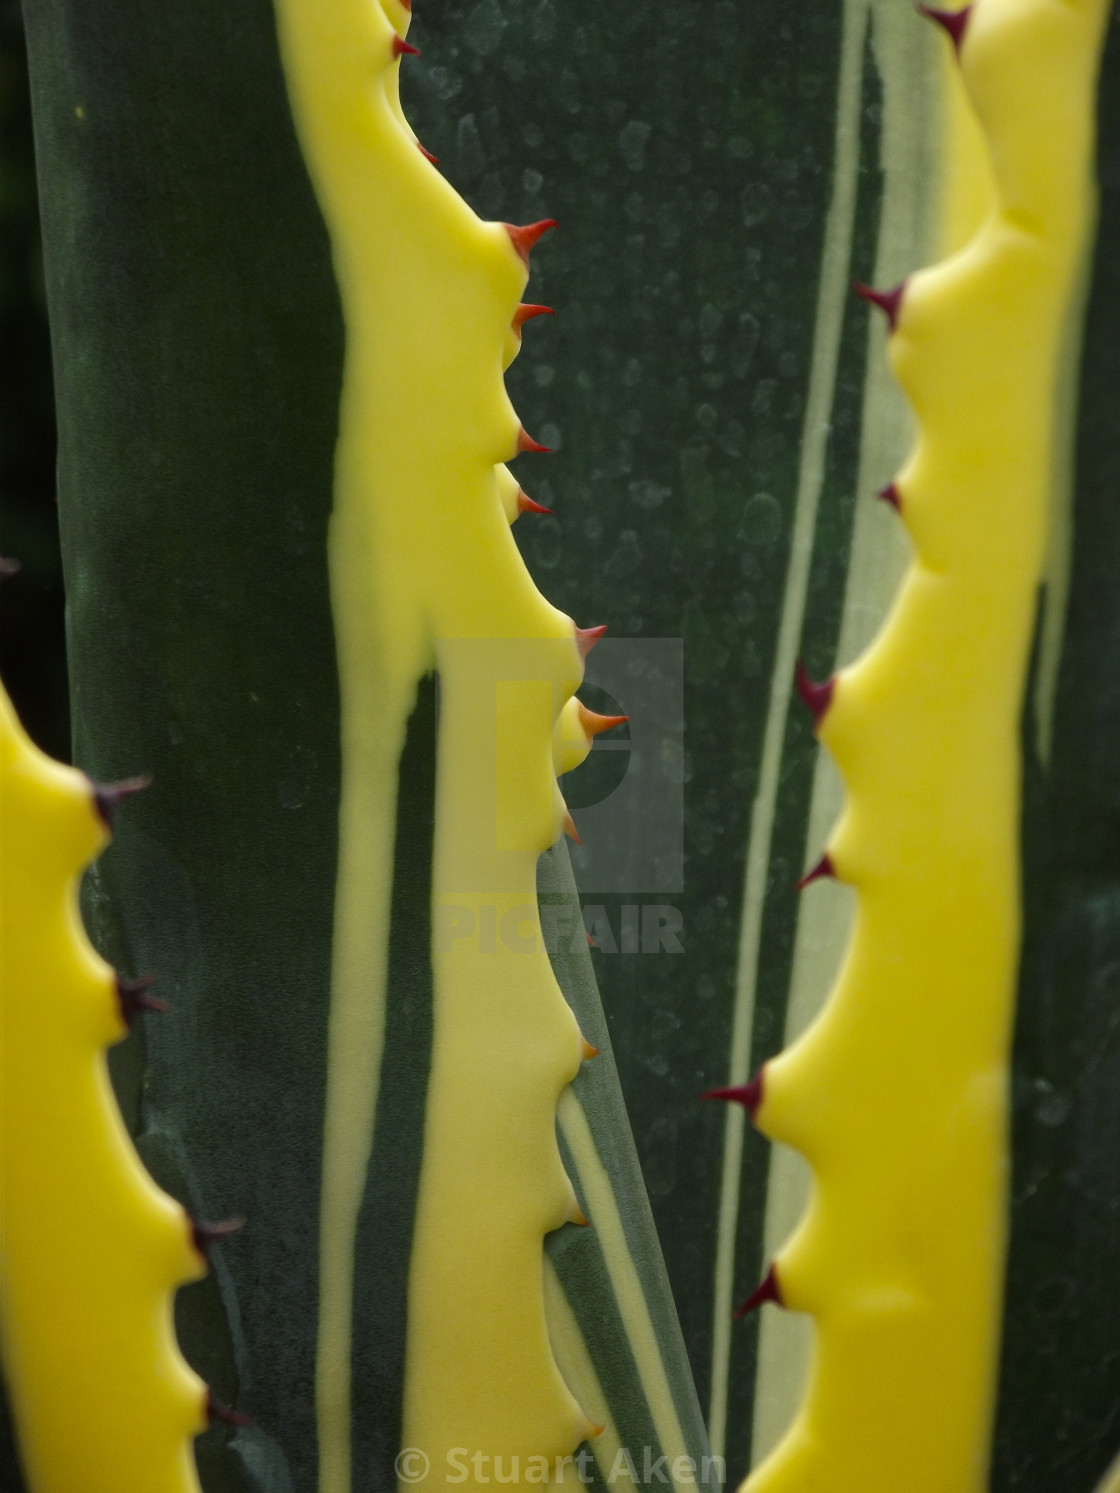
{"x": 905, "y": 54}
{"x": 356, "y": 1037}
{"x": 577, "y": 1369}
{"x": 602, "y": 1207}
{"x": 832, "y": 296}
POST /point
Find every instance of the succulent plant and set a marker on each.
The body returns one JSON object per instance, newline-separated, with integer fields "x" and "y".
{"x": 898, "y": 1093}
{"x": 406, "y": 1076}
{"x": 295, "y": 601}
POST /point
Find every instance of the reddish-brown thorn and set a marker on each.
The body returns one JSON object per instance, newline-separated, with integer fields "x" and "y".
{"x": 587, "y": 637}
{"x": 767, "y": 1290}
{"x": 524, "y": 237}
{"x": 570, "y": 829}
{"x": 592, "y": 722}
{"x": 8, "y": 568}
{"x": 888, "y": 301}
{"x": 407, "y": 4}
{"x": 589, "y": 1051}
{"x": 749, "y": 1095}
{"x": 591, "y": 944}
{"x": 133, "y": 998}
{"x": 206, "y": 1236}
{"x": 400, "y": 47}
{"x": 581, "y": 1218}
{"x": 890, "y": 494}
{"x": 428, "y": 156}
{"x": 525, "y": 441}
{"x": 824, "y": 867}
{"x": 216, "y": 1411}
{"x": 526, "y": 504}
{"x": 108, "y": 797}
{"x": 955, "y": 22}
{"x": 526, "y": 311}
{"x": 817, "y": 697}
{"x": 594, "y": 1430}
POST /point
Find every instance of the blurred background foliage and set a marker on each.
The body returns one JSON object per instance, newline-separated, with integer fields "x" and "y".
{"x": 32, "y": 656}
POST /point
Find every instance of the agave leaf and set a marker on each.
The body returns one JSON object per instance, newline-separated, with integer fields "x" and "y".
{"x": 199, "y": 358}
